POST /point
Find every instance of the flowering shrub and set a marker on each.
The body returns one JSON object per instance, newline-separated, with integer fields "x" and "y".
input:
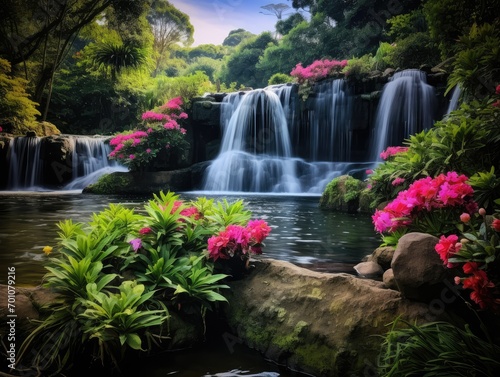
{"x": 158, "y": 140}
{"x": 392, "y": 151}
{"x": 239, "y": 241}
{"x": 119, "y": 276}
{"x": 429, "y": 205}
{"x": 319, "y": 69}
{"x": 477, "y": 253}
{"x": 497, "y": 92}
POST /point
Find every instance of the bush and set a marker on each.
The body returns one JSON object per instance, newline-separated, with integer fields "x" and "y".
{"x": 121, "y": 275}
{"x": 17, "y": 112}
{"x": 279, "y": 78}
{"x": 342, "y": 193}
{"x": 416, "y": 50}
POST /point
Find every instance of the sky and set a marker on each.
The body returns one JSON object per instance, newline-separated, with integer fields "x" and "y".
{"x": 214, "y": 19}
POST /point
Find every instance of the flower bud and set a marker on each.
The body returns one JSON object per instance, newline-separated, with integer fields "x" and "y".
{"x": 482, "y": 211}
{"x": 465, "y": 217}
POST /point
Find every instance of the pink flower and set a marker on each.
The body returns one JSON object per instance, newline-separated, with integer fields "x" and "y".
{"x": 258, "y": 230}
{"x": 457, "y": 280}
{"x": 149, "y": 130}
{"x": 153, "y": 116}
{"x": 1, "y": 129}
{"x": 497, "y": 90}
{"x": 145, "y": 230}
{"x": 148, "y": 150}
{"x": 183, "y": 115}
{"x": 132, "y": 156}
{"x": 174, "y": 103}
{"x": 496, "y": 103}
{"x": 382, "y": 221}
{"x": 136, "y": 244}
{"x": 482, "y": 212}
{"x": 191, "y": 212}
{"x": 391, "y": 151}
{"x": 369, "y": 171}
{"x": 398, "y": 181}
{"x": 447, "y": 247}
{"x": 183, "y": 131}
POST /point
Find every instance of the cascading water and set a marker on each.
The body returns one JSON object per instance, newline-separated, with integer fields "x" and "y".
{"x": 407, "y": 106}
{"x": 90, "y": 161}
{"x": 28, "y": 169}
{"x": 454, "y": 101}
{"x": 25, "y": 166}
{"x": 257, "y": 153}
{"x": 330, "y": 122}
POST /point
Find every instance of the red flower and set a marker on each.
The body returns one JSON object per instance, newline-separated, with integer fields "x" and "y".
{"x": 496, "y": 225}
{"x": 447, "y": 247}
{"x": 145, "y": 230}
{"x": 470, "y": 267}
{"x": 497, "y": 91}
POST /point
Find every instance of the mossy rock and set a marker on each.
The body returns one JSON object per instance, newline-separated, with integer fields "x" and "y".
{"x": 342, "y": 194}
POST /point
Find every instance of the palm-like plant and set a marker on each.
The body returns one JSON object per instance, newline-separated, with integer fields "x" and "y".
{"x": 114, "y": 58}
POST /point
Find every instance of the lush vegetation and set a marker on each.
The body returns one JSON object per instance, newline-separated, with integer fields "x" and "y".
{"x": 121, "y": 276}
{"x": 96, "y": 66}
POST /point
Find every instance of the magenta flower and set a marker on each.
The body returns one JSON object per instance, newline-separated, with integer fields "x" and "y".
{"x": 398, "y": 181}
{"x": 136, "y": 244}
{"x": 391, "y": 151}
{"x": 145, "y": 230}
{"x": 132, "y": 156}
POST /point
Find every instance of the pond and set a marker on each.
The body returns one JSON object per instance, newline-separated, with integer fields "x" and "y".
{"x": 301, "y": 233}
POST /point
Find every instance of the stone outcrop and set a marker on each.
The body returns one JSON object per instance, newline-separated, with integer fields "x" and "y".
{"x": 136, "y": 183}
{"x": 323, "y": 324}
{"x": 418, "y": 271}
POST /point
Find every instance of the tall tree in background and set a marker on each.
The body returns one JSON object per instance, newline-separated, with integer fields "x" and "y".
{"x": 37, "y": 35}
{"x": 170, "y": 26}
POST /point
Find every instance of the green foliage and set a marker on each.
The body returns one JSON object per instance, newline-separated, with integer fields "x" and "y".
{"x": 235, "y": 37}
{"x": 279, "y": 78}
{"x": 382, "y": 58}
{"x": 486, "y": 187}
{"x": 404, "y": 25}
{"x": 208, "y": 66}
{"x": 117, "y": 57}
{"x": 119, "y": 275}
{"x": 465, "y": 142}
{"x": 476, "y": 64}
{"x": 414, "y": 51}
{"x": 241, "y": 65}
{"x": 359, "y": 68}
{"x": 436, "y": 349}
{"x": 450, "y": 19}
{"x": 341, "y": 192}
{"x": 17, "y": 111}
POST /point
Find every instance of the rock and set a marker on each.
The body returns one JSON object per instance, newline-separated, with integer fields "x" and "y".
{"x": 388, "y": 279}
{"x": 383, "y": 256}
{"x": 369, "y": 269}
{"x": 418, "y": 271}
{"x": 134, "y": 183}
{"x": 318, "y": 323}
{"x": 389, "y": 72}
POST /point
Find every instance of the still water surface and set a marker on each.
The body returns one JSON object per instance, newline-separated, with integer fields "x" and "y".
{"x": 301, "y": 232}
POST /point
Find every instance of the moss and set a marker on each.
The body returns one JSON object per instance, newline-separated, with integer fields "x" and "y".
{"x": 109, "y": 184}
{"x": 342, "y": 194}
{"x": 317, "y": 357}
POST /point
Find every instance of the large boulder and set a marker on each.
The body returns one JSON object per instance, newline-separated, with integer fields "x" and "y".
{"x": 323, "y": 324}
{"x": 418, "y": 271}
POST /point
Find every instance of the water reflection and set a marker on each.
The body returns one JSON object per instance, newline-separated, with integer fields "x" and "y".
{"x": 302, "y": 233}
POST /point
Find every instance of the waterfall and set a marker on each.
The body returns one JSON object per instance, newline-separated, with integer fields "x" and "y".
{"x": 455, "y": 96}
{"x": 77, "y": 159}
{"x": 90, "y": 161}
{"x": 25, "y": 164}
{"x": 330, "y": 122}
{"x": 407, "y": 106}
{"x": 257, "y": 153}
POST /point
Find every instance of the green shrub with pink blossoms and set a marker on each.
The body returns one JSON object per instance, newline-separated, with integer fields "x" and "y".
{"x": 158, "y": 142}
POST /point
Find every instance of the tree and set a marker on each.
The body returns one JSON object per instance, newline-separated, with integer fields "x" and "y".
{"x": 42, "y": 32}
{"x": 241, "y": 65}
{"x": 276, "y": 10}
{"x": 17, "y": 111}
{"x": 283, "y": 27}
{"x": 235, "y": 37}
{"x": 116, "y": 57}
{"x": 170, "y": 26}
